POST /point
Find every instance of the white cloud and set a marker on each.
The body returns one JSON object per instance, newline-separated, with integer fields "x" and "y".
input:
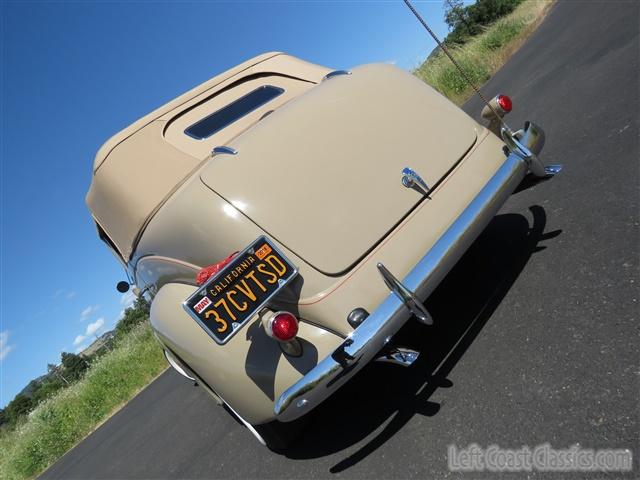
{"x": 127, "y": 299}
{"x": 91, "y": 330}
{"x": 94, "y": 327}
{"x": 5, "y": 348}
{"x": 87, "y": 312}
{"x": 81, "y": 348}
{"x": 71, "y": 294}
{"x": 57, "y": 293}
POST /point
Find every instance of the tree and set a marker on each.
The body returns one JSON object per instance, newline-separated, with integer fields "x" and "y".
{"x": 21, "y": 405}
{"x": 74, "y": 365}
{"x": 54, "y": 371}
{"x": 465, "y": 22}
{"x": 456, "y": 16}
{"x": 134, "y": 315}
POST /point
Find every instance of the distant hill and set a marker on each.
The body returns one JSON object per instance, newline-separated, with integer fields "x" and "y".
{"x": 434, "y": 53}
{"x": 100, "y": 342}
{"x": 33, "y": 384}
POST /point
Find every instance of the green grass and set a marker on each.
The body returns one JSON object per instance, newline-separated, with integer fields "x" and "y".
{"x": 484, "y": 54}
{"x": 71, "y": 414}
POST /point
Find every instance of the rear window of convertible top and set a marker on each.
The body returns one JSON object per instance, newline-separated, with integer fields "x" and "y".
{"x": 227, "y": 115}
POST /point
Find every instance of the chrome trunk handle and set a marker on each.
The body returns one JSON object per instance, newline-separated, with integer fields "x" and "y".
{"x": 411, "y": 179}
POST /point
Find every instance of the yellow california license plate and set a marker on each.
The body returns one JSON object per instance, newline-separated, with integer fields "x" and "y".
{"x": 230, "y": 298}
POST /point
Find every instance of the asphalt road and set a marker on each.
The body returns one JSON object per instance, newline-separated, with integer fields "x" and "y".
{"x": 537, "y": 327}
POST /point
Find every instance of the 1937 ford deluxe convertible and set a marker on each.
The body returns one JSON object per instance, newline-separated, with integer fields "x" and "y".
{"x": 287, "y": 220}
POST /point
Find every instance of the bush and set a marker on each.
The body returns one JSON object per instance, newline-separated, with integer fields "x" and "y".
{"x": 469, "y": 21}
{"x": 46, "y": 389}
{"x": 476, "y": 71}
{"x": 501, "y": 34}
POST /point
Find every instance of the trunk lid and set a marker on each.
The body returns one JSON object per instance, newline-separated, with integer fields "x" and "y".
{"x": 322, "y": 174}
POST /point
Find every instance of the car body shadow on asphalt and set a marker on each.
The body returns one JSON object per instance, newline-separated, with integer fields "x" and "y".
{"x": 385, "y": 397}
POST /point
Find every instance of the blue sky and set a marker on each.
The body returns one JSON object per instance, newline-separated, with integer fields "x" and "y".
{"x": 75, "y": 73}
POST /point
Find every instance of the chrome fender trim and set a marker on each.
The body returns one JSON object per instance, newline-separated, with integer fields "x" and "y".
{"x": 366, "y": 341}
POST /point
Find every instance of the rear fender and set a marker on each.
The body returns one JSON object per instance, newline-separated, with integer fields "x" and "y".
{"x": 250, "y": 371}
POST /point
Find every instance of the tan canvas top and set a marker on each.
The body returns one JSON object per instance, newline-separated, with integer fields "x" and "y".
{"x": 138, "y": 169}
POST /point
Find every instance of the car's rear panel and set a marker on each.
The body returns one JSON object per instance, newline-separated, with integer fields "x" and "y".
{"x": 196, "y": 228}
{"x": 322, "y": 174}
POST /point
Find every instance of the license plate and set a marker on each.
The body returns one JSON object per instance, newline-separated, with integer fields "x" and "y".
{"x": 229, "y": 299}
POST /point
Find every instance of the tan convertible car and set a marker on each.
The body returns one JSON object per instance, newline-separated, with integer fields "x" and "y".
{"x": 287, "y": 220}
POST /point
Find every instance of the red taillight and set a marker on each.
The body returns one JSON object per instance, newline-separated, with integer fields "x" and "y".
{"x": 283, "y": 326}
{"x": 505, "y": 103}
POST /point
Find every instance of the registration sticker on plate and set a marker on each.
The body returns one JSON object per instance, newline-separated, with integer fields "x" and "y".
{"x": 237, "y": 292}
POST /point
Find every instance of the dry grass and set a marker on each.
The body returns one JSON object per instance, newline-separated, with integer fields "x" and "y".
{"x": 484, "y": 54}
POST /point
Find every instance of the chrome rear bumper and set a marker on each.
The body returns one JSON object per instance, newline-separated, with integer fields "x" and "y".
{"x": 374, "y": 333}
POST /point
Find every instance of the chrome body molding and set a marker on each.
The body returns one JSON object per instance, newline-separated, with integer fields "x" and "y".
{"x": 367, "y": 340}
{"x": 335, "y": 73}
{"x": 222, "y": 149}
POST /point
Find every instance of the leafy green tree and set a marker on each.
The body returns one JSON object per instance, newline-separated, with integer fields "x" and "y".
{"x": 74, "y": 365}
{"x": 21, "y": 405}
{"x": 457, "y": 18}
{"x": 134, "y": 315}
{"x": 465, "y": 22}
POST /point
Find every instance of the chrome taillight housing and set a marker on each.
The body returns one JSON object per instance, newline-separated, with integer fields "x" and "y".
{"x": 500, "y": 104}
{"x": 281, "y": 326}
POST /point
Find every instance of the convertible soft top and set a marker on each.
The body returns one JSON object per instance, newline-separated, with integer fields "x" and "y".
{"x": 139, "y": 168}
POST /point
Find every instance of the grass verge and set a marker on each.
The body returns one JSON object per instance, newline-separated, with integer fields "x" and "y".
{"x": 60, "y": 422}
{"x": 484, "y": 54}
